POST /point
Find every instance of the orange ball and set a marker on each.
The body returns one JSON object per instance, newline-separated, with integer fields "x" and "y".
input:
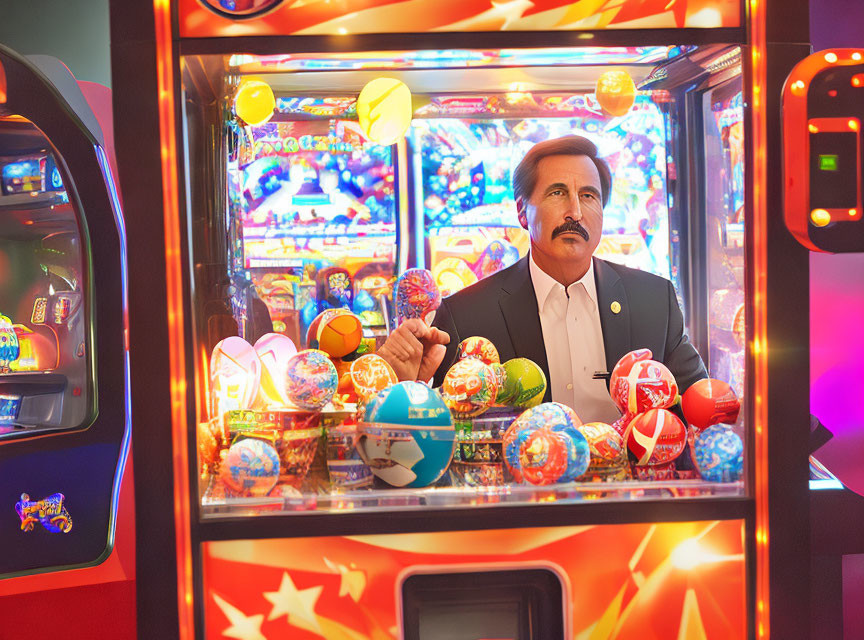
{"x": 337, "y": 331}
{"x": 616, "y": 92}
{"x": 710, "y": 401}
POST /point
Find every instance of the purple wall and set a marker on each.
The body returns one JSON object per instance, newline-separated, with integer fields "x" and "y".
{"x": 837, "y": 331}
{"x": 837, "y": 298}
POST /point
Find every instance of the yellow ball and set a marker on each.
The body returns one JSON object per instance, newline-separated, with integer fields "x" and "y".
{"x": 616, "y": 92}
{"x": 254, "y": 102}
{"x": 384, "y": 110}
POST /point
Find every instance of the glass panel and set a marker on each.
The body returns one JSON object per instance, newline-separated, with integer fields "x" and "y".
{"x": 723, "y": 113}
{"x": 304, "y": 215}
{"x": 45, "y": 376}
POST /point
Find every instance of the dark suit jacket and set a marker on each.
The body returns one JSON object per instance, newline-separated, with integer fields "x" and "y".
{"x": 503, "y": 308}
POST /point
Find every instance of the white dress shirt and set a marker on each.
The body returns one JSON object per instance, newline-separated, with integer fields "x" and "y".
{"x": 574, "y": 344}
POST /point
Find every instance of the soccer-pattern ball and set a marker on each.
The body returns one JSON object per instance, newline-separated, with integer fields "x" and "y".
{"x": 407, "y": 435}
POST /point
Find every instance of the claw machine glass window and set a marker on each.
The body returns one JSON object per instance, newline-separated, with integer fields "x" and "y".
{"x": 45, "y": 364}
{"x": 299, "y": 225}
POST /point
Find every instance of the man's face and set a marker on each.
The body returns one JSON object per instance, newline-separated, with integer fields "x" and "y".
{"x": 564, "y": 215}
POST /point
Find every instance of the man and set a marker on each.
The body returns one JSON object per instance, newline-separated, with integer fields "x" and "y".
{"x": 571, "y": 313}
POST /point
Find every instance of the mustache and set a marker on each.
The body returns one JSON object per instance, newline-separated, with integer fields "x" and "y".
{"x": 570, "y": 226}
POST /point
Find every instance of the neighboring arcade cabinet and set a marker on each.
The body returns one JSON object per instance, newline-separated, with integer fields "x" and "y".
{"x": 314, "y": 508}
{"x": 64, "y": 419}
{"x": 823, "y": 110}
{"x": 315, "y": 213}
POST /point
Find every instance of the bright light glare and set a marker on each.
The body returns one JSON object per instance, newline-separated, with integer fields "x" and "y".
{"x": 690, "y": 554}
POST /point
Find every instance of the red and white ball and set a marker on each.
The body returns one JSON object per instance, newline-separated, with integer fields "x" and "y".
{"x": 656, "y": 437}
{"x": 642, "y": 384}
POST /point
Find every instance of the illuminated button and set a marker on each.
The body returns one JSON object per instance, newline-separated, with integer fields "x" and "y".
{"x": 853, "y": 124}
{"x": 820, "y": 217}
{"x": 812, "y": 128}
{"x": 858, "y": 80}
{"x": 828, "y": 162}
{"x": 853, "y": 213}
{"x": 856, "y": 55}
{"x": 831, "y": 57}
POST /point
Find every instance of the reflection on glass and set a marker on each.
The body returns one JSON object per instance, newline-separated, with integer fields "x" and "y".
{"x": 43, "y": 363}
{"x": 724, "y": 157}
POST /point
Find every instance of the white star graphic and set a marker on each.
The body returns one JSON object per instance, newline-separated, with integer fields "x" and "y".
{"x": 298, "y": 605}
{"x": 242, "y": 627}
{"x": 353, "y": 581}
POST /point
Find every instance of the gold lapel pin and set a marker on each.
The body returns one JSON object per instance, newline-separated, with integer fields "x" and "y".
{"x": 616, "y": 307}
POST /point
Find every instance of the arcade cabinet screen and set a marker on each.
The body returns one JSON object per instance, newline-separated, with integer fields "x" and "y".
{"x": 30, "y": 175}
{"x": 315, "y": 190}
{"x": 22, "y": 176}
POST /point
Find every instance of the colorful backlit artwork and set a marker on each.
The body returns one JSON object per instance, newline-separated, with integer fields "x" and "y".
{"x": 50, "y": 512}
{"x": 321, "y": 17}
{"x": 664, "y": 580}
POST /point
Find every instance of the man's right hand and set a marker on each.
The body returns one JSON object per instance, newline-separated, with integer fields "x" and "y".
{"x": 414, "y": 350}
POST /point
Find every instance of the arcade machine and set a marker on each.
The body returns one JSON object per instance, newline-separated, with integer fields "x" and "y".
{"x": 318, "y": 215}
{"x": 277, "y": 528}
{"x": 823, "y": 173}
{"x": 64, "y": 423}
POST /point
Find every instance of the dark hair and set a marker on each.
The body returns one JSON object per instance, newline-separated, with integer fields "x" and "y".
{"x": 525, "y": 175}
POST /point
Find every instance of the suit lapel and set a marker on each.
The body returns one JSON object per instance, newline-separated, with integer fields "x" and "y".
{"x": 616, "y": 326}
{"x": 518, "y": 304}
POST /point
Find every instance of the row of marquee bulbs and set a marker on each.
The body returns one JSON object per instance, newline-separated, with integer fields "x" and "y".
{"x": 384, "y": 105}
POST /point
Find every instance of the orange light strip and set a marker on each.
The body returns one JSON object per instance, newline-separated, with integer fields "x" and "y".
{"x": 2, "y": 84}
{"x": 174, "y": 288}
{"x": 759, "y": 346}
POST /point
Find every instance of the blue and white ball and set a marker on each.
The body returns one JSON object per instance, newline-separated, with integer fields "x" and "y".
{"x": 578, "y": 452}
{"x": 407, "y": 435}
{"x": 719, "y": 454}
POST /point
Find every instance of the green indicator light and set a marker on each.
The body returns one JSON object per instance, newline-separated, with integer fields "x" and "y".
{"x": 828, "y": 162}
